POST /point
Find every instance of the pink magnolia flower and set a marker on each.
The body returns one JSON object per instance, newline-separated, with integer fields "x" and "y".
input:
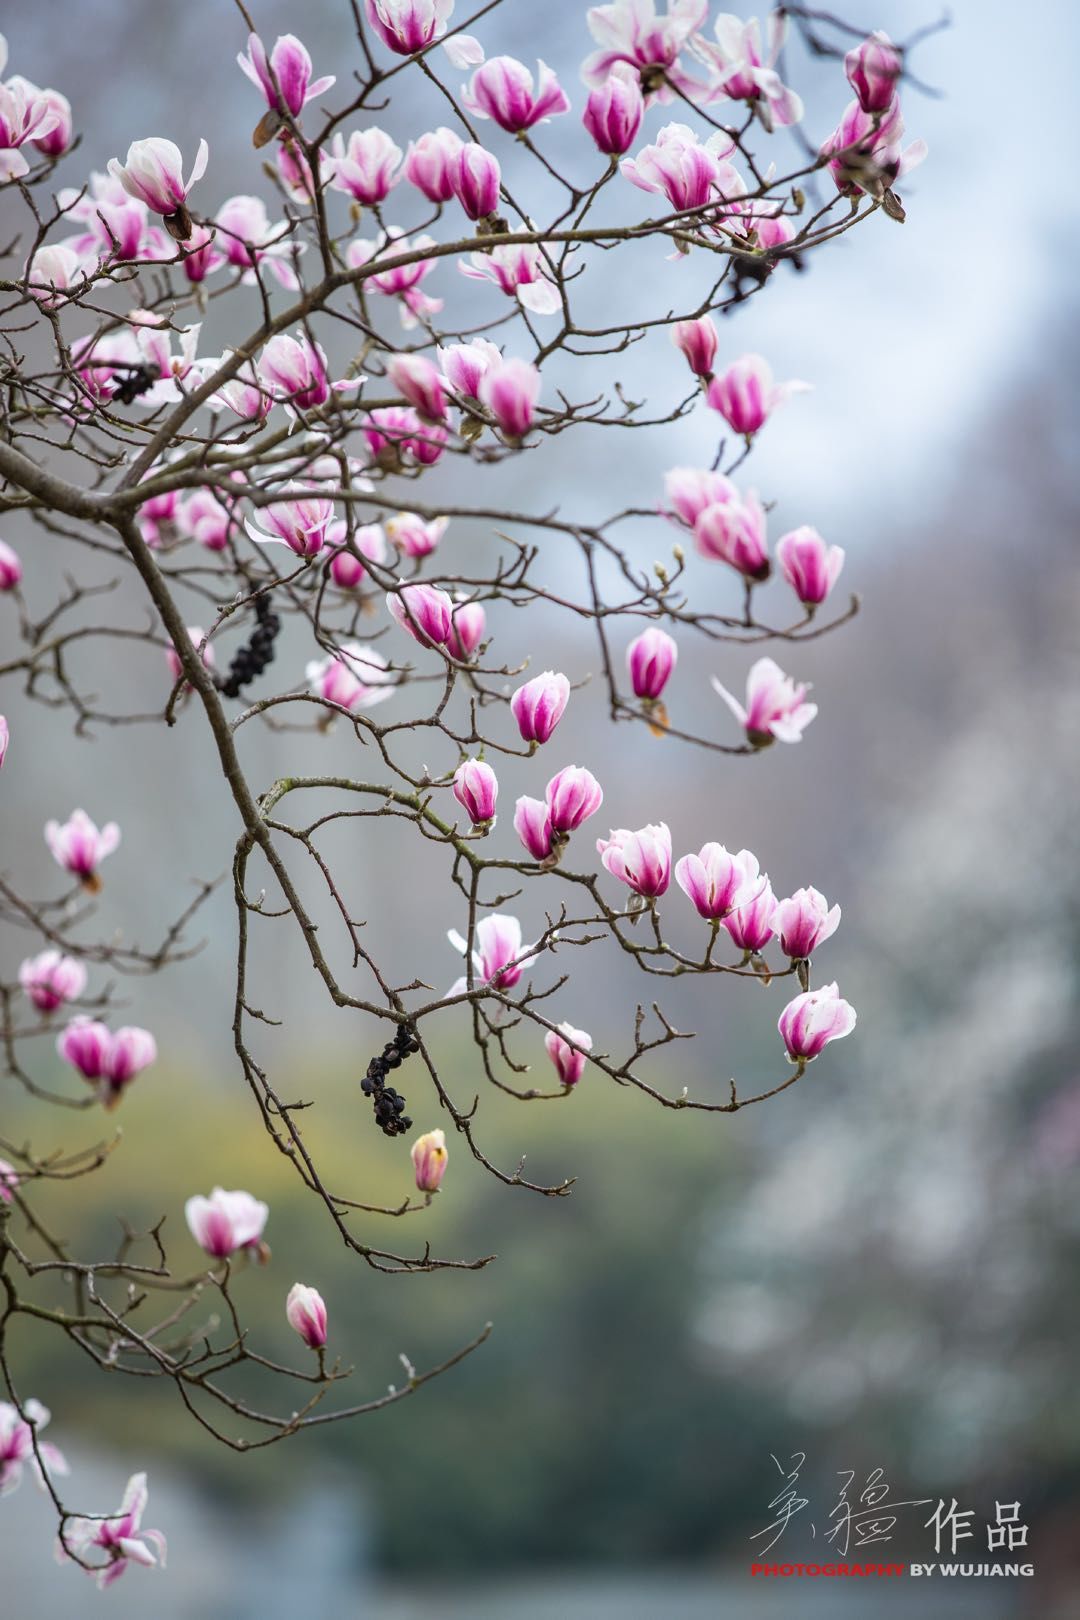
{"x": 17, "y": 1443}
{"x": 51, "y": 978}
{"x": 698, "y": 341}
{"x": 810, "y": 566}
{"x": 733, "y": 531}
{"x": 641, "y": 860}
{"x": 776, "y": 708}
{"x": 396, "y": 435}
{"x": 368, "y": 167}
{"x": 304, "y": 521}
{"x": 245, "y": 394}
{"x": 865, "y": 153}
{"x": 202, "y": 517}
{"x": 539, "y": 705}
{"x": 804, "y": 922}
{"x": 154, "y": 173}
{"x": 504, "y": 90}
{"x": 294, "y": 369}
{"x": 52, "y": 138}
{"x": 226, "y": 1222}
{"x": 677, "y": 165}
{"x": 423, "y": 610}
{"x": 112, "y": 221}
{"x": 119, "y": 1537}
{"x": 9, "y": 1180}
{"x": 26, "y": 114}
{"x": 111, "y": 1059}
{"x": 475, "y": 177}
{"x": 718, "y": 883}
{"x": 305, "y": 1313}
{"x": 746, "y": 396}
{"x": 499, "y": 958}
{"x": 10, "y": 568}
{"x": 408, "y": 26}
{"x": 518, "y": 270}
{"x": 356, "y": 677}
{"x": 510, "y": 390}
{"x": 690, "y": 490}
{"x": 614, "y": 111}
{"x": 573, "y": 795}
{"x": 467, "y": 626}
{"x": 568, "y": 1059}
{"x": 80, "y": 848}
{"x": 631, "y": 31}
{"x": 429, "y": 163}
{"x": 346, "y": 568}
{"x": 751, "y": 925}
{"x": 400, "y": 281}
{"x": 872, "y": 69}
{"x": 101, "y": 364}
{"x": 52, "y": 272}
{"x": 289, "y": 64}
{"x": 249, "y": 239}
{"x": 295, "y": 173}
{"x": 430, "y": 1158}
{"x": 743, "y": 71}
{"x": 464, "y": 364}
{"x": 476, "y": 788}
{"x": 650, "y": 659}
{"x": 414, "y": 535}
{"x": 532, "y": 823}
{"x": 176, "y": 374}
{"x": 812, "y": 1020}
{"x": 421, "y": 383}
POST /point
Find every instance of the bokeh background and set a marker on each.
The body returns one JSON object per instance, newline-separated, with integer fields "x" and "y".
{"x": 879, "y": 1269}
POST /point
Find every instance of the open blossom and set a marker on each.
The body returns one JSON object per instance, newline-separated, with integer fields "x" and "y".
{"x": 510, "y": 389}
{"x": 421, "y": 382}
{"x": 285, "y": 76}
{"x": 294, "y": 368}
{"x": 776, "y": 707}
{"x": 52, "y": 272}
{"x": 539, "y": 705}
{"x": 865, "y": 153}
{"x": 614, "y": 111}
{"x": 733, "y": 531}
{"x": 751, "y": 924}
{"x": 51, "y": 978}
{"x": 504, "y": 90}
{"x": 746, "y": 396}
{"x": 423, "y": 610}
{"x": 641, "y": 860}
{"x": 698, "y": 341}
{"x": 111, "y": 1058}
{"x": 718, "y": 883}
{"x": 302, "y": 522}
{"x": 498, "y": 956}
{"x": 355, "y": 677}
{"x": 408, "y": 26}
{"x": 650, "y": 659}
{"x": 202, "y": 516}
{"x": 804, "y": 922}
{"x": 873, "y": 68}
{"x": 120, "y": 1537}
{"x": 631, "y": 31}
{"x": 80, "y": 848}
{"x": 154, "y": 173}
{"x": 689, "y": 490}
{"x": 246, "y": 238}
{"x": 463, "y": 364}
{"x": 414, "y": 535}
{"x": 245, "y": 394}
{"x": 679, "y": 166}
{"x": 475, "y": 177}
{"x": 9, "y": 1180}
{"x": 395, "y": 434}
{"x": 520, "y": 271}
{"x": 812, "y": 1020}
{"x": 226, "y": 1222}
{"x": 26, "y": 114}
{"x": 476, "y": 788}
{"x": 429, "y": 163}
{"x": 742, "y": 70}
{"x": 10, "y": 567}
{"x": 346, "y": 568}
{"x": 810, "y": 566}
{"x": 17, "y": 1444}
{"x": 467, "y": 625}
{"x": 112, "y": 222}
{"x": 573, "y": 795}
{"x": 430, "y": 1158}
{"x": 401, "y": 280}
{"x": 367, "y": 167}
{"x": 176, "y": 374}
{"x": 569, "y": 1062}
{"x": 532, "y": 823}
{"x": 54, "y": 140}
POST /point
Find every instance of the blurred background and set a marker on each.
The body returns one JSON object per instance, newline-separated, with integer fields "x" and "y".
{"x": 878, "y": 1269}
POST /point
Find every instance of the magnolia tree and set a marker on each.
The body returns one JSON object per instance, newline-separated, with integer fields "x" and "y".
{"x": 264, "y": 483}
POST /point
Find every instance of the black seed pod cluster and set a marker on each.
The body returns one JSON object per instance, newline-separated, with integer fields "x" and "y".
{"x": 390, "y": 1115}
{"x": 254, "y": 656}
